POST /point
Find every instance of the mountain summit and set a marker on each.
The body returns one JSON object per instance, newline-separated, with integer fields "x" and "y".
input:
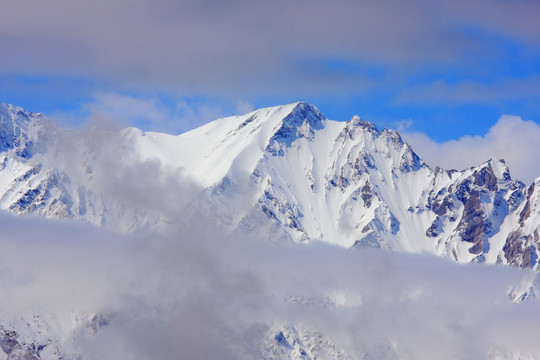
{"x": 286, "y": 171}
{"x": 302, "y": 122}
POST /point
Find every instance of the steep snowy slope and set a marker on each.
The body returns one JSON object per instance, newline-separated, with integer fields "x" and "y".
{"x": 285, "y": 170}
{"x": 344, "y": 182}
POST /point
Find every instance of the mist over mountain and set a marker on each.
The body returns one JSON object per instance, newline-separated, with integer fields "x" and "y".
{"x": 277, "y": 234}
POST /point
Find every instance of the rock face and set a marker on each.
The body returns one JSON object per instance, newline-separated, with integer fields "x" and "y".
{"x": 286, "y": 169}
{"x": 296, "y": 342}
{"x": 30, "y": 336}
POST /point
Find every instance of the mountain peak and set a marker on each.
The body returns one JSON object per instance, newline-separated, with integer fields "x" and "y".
{"x": 301, "y": 122}
{"x": 495, "y": 168}
{"x": 356, "y": 121}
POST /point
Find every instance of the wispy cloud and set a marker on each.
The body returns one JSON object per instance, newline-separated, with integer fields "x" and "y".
{"x": 152, "y": 113}
{"x": 204, "y": 47}
{"x": 126, "y": 110}
{"x": 442, "y": 92}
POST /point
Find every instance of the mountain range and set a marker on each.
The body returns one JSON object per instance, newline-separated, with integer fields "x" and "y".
{"x": 286, "y": 171}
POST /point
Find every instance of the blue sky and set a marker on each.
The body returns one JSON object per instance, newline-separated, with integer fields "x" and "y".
{"x": 446, "y": 69}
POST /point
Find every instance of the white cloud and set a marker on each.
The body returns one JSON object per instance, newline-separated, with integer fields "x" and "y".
{"x": 403, "y": 125}
{"x": 193, "y": 114}
{"x": 244, "y": 107}
{"x": 146, "y": 112}
{"x": 150, "y": 113}
{"x": 201, "y": 297}
{"x": 515, "y": 140}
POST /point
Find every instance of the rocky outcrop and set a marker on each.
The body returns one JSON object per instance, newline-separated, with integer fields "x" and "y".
{"x": 471, "y": 225}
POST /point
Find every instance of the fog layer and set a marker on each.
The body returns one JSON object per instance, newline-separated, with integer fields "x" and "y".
{"x": 183, "y": 296}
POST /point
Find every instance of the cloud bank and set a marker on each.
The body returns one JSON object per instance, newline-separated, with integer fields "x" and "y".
{"x": 201, "y": 297}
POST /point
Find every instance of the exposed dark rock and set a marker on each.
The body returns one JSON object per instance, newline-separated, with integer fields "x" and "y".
{"x": 516, "y": 197}
{"x": 33, "y": 171}
{"x": 16, "y": 350}
{"x": 368, "y": 160}
{"x": 282, "y": 340}
{"x": 519, "y": 249}
{"x": 486, "y": 177}
{"x": 8, "y": 340}
{"x": 441, "y": 209}
{"x": 529, "y": 257}
{"x": 471, "y": 225}
{"x": 370, "y": 241}
{"x": 246, "y": 122}
{"x": 513, "y": 248}
{"x": 526, "y": 212}
{"x": 367, "y": 194}
{"x": 435, "y": 229}
{"x": 291, "y": 128}
{"x": 393, "y": 138}
{"x": 409, "y": 161}
{"x": 40, "y": 199}
{"x": 462, "y": 190}
{"x": 479, "y": 259}
{"x": 342, "y": 181}
{"x": 394, "y": 224}
{"x": 356, "y": 122}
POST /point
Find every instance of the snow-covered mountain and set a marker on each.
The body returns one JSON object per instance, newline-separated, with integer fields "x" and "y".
{"x": 286, "y": 169}
{"x": 284, "y": 173}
